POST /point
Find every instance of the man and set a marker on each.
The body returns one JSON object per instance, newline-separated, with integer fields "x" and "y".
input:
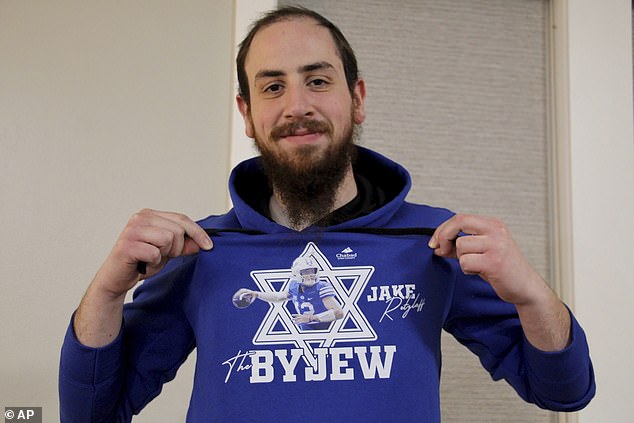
{"x": 314, "y": 193}
{"x": 314, "y": 299}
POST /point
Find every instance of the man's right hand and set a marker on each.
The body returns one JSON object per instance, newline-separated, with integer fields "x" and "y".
{"x": 152, "y": 237}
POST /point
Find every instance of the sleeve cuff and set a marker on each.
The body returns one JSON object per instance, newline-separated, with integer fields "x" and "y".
{"x": 86, "y": 365}
{"x": 564, "y": 376}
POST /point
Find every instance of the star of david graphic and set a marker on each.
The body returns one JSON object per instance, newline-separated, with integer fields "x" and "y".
{"x": 278, "y": 327}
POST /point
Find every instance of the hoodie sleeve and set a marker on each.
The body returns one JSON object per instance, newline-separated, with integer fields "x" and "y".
{"x": 489, "y": 327}
{"x": 111, "y": 383}
{"x": 89, "y": 379}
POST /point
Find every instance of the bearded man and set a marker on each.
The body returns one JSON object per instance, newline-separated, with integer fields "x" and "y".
{"x": 313, "y": 193}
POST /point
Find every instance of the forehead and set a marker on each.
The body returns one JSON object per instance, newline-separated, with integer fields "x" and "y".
{"x": 290, "y": 44}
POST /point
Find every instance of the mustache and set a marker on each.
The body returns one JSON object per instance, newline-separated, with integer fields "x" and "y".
{"x": 311, "y": 125}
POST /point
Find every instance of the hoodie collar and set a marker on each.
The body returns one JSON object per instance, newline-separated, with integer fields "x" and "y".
{"x": 248, "y": 185}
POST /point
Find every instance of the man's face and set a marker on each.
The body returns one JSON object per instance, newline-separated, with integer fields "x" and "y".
{"x": 300, "y": 104}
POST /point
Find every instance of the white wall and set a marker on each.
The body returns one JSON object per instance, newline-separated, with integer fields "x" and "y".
{"x": 105, "y": 107}
{"x": 602, "y": 196}
{"x": 246, "y": 11}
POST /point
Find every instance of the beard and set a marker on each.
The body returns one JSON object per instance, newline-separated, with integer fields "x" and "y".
{"x": 305, "y": 180}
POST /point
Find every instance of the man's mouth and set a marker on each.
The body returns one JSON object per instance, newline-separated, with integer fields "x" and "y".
{"x": 302, "y": 136}
{"x": 302, "y": 132}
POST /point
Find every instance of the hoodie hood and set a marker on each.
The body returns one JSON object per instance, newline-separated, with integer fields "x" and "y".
{"x": 248, "y": 184}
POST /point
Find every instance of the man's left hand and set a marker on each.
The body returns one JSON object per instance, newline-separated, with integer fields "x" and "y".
{"x": 484, "y": 246}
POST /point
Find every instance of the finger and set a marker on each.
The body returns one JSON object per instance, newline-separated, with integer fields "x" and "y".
{"x": 469, "y": 251}
{"x": 190, "y": 247}
{"x": 149, "y": 226}
{"x": 468, "y": 224}
{"x": 472, "y": 244}
{"x": 161, "y": 241}
{"x": 471, "y": 264}
{"x": 443, "y": 239}
{"x": 190, "y": 228}
{"x": 141, "y": 254}
{"x": 181, "y": 225}
{"x": 445, "y": 234}
{"x": 475, "y": 224}
{"x": 161, "y": 254}
{"x": 189, "y": 237}
{"x": 162, "y": 238}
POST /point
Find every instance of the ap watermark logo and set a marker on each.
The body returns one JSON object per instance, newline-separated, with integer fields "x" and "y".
{"x": 22, "y": 414}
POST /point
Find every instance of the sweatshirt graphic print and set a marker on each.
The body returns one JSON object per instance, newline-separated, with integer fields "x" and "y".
{"x": 318, "y": 344}
{"x": 383, "y": 336}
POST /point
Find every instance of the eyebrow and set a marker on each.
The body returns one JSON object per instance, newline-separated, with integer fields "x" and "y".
{"x": 315, "y": 66}
{"x": 270, "y": 73}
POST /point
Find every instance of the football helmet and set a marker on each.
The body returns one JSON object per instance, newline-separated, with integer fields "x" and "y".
{"x": 305, "y": 269}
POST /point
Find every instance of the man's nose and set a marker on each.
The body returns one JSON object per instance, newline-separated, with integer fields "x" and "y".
{"x": 297, "y": 103}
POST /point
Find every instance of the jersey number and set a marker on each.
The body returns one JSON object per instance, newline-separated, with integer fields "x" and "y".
{"x": 307, "y": 308}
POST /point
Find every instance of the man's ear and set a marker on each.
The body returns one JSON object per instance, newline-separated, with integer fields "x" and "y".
{"x": 358, "y": 102}
{"x": 243, "y": 107}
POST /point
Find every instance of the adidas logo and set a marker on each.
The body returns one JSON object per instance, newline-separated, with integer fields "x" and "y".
{"x": 347, "y": 254}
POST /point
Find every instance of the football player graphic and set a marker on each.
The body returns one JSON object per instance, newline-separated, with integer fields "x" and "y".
{"x": 314, "y": 299}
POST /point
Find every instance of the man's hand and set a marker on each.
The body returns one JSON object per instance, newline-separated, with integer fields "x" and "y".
{"x": 484, "y": 246}
{"x": 488, "y": 249}
{"x": 152, "y": 237}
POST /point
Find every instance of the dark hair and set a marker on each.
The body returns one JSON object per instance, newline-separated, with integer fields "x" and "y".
{"x": 287, "y": 13}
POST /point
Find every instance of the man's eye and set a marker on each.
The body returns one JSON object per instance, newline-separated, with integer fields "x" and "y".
{"x": 317, "y": 82}
{"x": 273, "y": 88}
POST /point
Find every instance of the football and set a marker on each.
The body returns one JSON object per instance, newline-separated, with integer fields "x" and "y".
{"x": 243, "y": 298}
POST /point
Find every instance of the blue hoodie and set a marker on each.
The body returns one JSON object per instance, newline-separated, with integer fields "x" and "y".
{"x": 376, "y": 359}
